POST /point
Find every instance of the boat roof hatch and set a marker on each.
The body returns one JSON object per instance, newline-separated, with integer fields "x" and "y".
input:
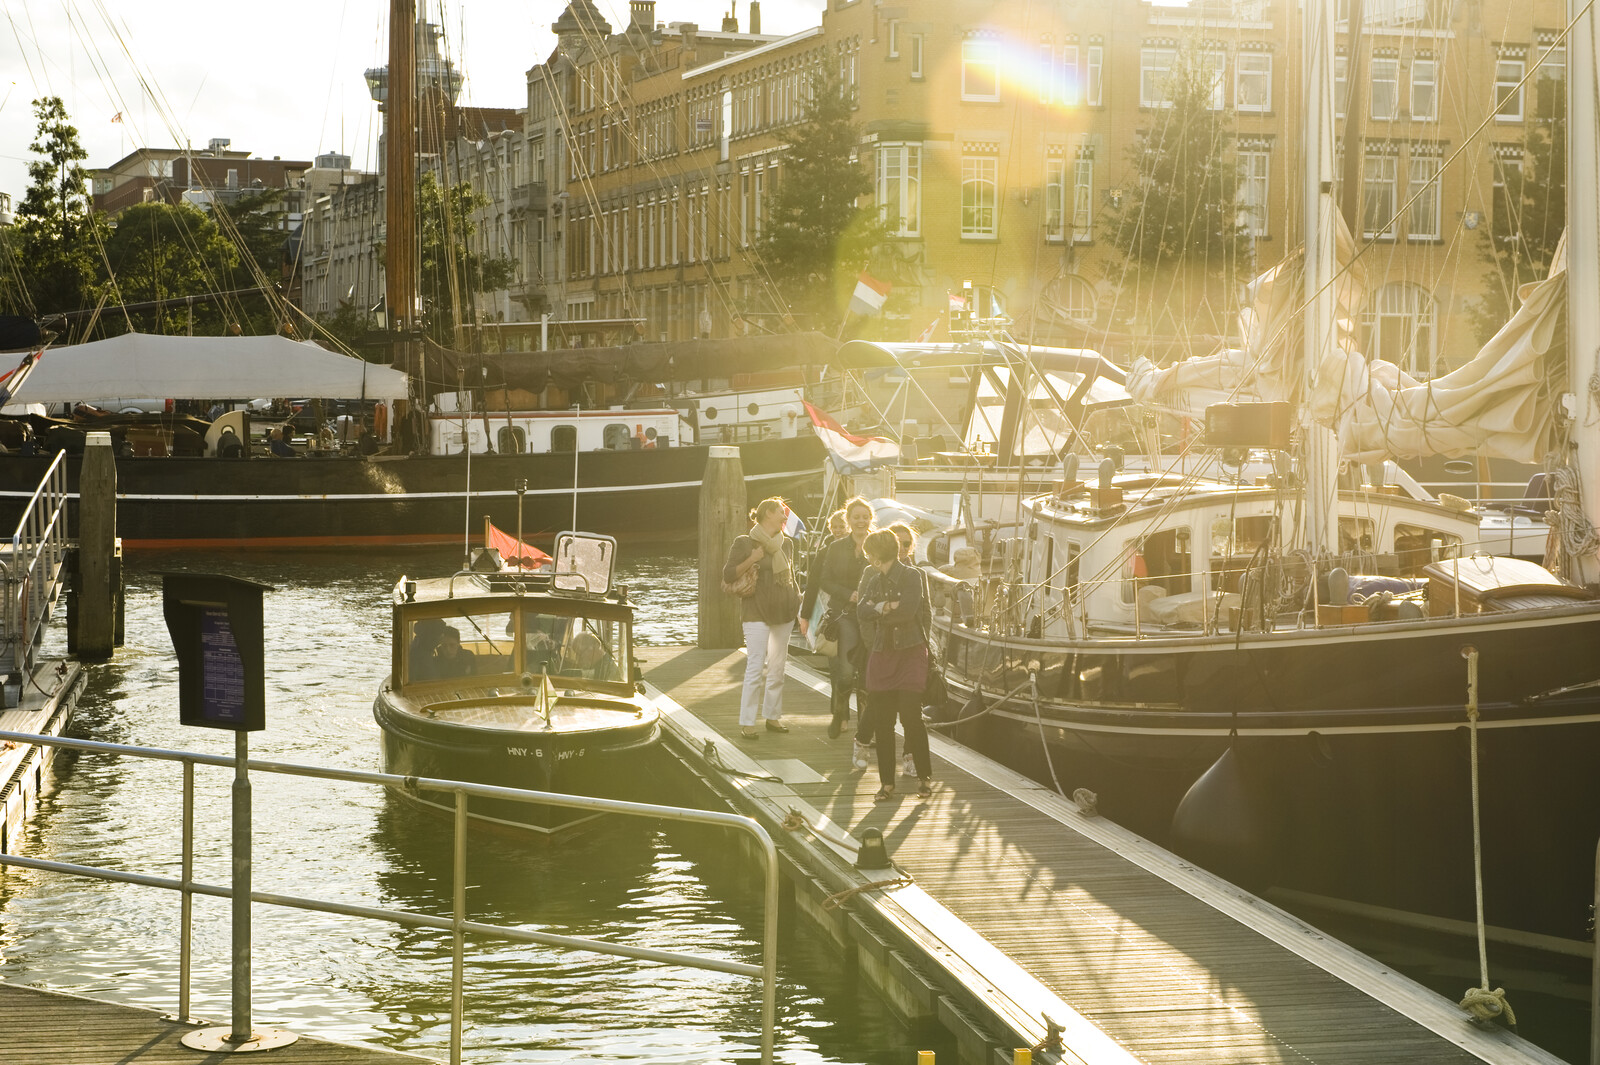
{"x": 583, "y": 563}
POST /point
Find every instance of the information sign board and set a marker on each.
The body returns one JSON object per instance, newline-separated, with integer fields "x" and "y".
{"x": 217, "y": 629}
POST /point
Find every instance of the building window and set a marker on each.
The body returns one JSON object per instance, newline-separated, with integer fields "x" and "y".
{"x": 978, "y": 195}
{"x": 916, "y": 55}
{"x": 1550, "y": 85}
{"x": 1424, "y": 89}
{"x": 1378, "y": 199}
{"x": 1253, "y": 189}
{"x": 1055, "y": 199}
{"x": 1068, "y": 90}
{"x": 1508, "y": 90}
{"x": 1423, "y": 192}
{"x": 1091, "y": 84}
{"x": 894, "y": 38}
{"x": 1155, "y": 76}
{"x": 1507, "y": 187}
{"x": 1399, "y": 328}
{"x": 1082, "y": 201}
{"x": 900, "y": 188}
{"x": 1077, "y": 299}
{"x": 1385, "y": 88}
{"x": 1214, "y": 68}
{"x": 1341, "y": 85}
{"x": 980, "y": 71}
{"x": 1252, "y": 82}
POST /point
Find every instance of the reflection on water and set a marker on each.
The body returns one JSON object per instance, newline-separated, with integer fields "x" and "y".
{"x": 345, "y": 978}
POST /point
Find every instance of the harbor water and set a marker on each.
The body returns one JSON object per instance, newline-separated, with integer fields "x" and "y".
{"x": 668, "y": 887}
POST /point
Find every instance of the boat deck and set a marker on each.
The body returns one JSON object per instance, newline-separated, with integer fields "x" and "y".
{"x": 48, "y": 1026}
{"x": 1036, "y": 907}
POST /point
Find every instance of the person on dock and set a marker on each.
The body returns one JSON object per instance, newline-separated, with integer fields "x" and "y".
{"x": 843, "y": 563}
{"x": 893, "y": 601}
{"x": 906, "y": 537}
{"x": 768, "y": 613}
{"x": 838, "y": 529}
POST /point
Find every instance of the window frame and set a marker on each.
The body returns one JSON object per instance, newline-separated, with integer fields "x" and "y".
{"x": 1253, "y": 208}
{"x": 1429, "y": 204}
{"x": 1149, "y": 72}
{"x": 907, "y": 178}
{"x": 1243, "y": 77}
{"x": 1372, "y": 189}
{"x": 1511, "y": 83}
{"x": 979, "y": 212}
{"x": 1391, "y": 78}
{"x": 972, "y": 52}
{"x": 1432, "y": 82}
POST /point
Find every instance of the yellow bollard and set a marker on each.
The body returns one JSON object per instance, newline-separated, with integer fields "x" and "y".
{"x": 1022, "y": 1056}
{"x": 924, "y": 1057}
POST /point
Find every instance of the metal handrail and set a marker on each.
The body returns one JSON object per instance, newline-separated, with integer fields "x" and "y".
{"x": 457, "y": 923}
{"x": 37, "y": 547}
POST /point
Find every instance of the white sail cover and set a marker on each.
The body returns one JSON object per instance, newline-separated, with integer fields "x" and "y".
{"x": 145, "y": 366}
{"x": 1500, "y": 404}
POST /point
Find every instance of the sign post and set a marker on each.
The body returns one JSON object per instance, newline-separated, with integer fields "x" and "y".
{"x": 218, "y": 631}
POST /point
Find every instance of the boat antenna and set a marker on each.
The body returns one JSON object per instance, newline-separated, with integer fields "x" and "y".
{"x": 577, "y": 409}
{"x": 522, "y": 490}
{"x": 466, "y": 501}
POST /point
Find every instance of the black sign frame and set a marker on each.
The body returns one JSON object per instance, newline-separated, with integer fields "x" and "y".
{"x": 218, "y": 630}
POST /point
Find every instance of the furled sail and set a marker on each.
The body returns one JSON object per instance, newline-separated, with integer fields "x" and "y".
{"x": 1499, "y": 404}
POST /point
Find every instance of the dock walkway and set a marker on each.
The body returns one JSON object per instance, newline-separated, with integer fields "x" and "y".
{"x": 40, "y": 1027}
{"x": 1027, "y": 906}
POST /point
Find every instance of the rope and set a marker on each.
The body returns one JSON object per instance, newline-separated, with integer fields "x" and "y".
{"x": 997, "y": 704}
{"x": 837, "y": 899}
{"x": 1578, "y": 537}
{"x": 796, "y": 821}
{"x": 713, "y": 758}
{"x": 1033, "y": 680}
{"x": 1483, "y": 1004}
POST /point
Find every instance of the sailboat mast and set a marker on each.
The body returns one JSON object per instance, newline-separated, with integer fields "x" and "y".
{"x": 1583, "y": 277}
{"x": 1319, "y": 447}
{"x": 400, "y": 161}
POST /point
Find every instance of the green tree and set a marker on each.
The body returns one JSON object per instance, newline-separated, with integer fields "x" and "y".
{"x": 1180, "y": 224}
{"x": 450, "y": 273}
{"x": 164, "y": 252}
{"x": 53, "y": 254}
{"x": 1529, "y": 213}
{"x": 815, "y": 239}
{"x": 252, "y": 224}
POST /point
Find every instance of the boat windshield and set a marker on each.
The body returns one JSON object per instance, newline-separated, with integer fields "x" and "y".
{"x": 511, "y": 643}
{"x": 564, "y": 646}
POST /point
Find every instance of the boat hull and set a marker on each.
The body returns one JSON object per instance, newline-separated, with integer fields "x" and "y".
{"x": 600, "y": 763}
{"x": 1351, "y": 750}
{"x": 649, "y": 495}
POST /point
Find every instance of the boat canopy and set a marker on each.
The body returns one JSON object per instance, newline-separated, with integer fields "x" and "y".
{"x": 146, "y": 366}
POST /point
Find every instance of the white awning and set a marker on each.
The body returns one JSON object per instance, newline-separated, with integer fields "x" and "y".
{"x": 141, "y": 366}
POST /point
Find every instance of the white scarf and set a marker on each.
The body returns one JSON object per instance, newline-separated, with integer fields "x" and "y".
{"x": 776, "y": 547}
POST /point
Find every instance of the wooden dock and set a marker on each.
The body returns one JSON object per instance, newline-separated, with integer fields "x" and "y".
{"x": 1024, "y": 907}
{"x": 43, "y": 704}
{"x": 40, "y": 1027}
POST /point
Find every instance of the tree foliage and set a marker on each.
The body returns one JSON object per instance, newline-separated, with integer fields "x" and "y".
{"x": 53, "y": 256}
{"x": 814, "y": 238}
{"x": 1181, "y": 214}
{"x": 165, "y": 252}
{"x": 450, "y": 272}
{"x": 1529, "y": 215}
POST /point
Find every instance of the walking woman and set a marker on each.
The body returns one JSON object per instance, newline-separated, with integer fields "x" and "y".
{"x": 842, "y": 564}
{"x": 769, "y": 614}
{"x": 893, "y": 602}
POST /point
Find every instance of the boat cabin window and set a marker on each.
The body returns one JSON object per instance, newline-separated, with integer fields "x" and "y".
{"x": 1160, "y": 561}
{"x": 617, "y": 437}
{"x": 564, "y": 438}
{"x": 1415, "y": 546}
{"x": 512, "y": 440}
{"x": 1356, "y": 536}
{"x": 457, "y": 647}
{"x": 1235, "y": 544}
{"x": 563, "y": 646}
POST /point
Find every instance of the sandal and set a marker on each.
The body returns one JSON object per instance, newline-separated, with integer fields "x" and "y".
{"x": 749, "y": 732}
{"x": 926, "y": 791}
{"x": 885, "y": 793}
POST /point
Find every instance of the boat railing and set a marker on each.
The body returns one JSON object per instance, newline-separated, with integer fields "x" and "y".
{"x": 457, "y": 923}
{"x": 38, "y": 546}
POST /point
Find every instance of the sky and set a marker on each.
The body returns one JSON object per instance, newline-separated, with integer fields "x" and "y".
{"x": 277, "y": 79}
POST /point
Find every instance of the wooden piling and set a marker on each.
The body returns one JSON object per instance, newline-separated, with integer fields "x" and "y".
{"x": 96, "y": 615}
{"x": 724, "y": 515}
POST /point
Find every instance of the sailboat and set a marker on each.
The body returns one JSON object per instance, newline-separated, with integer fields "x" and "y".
{"x": 1327, "y": 668}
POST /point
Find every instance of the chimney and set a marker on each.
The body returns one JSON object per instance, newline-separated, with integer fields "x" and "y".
{"x": 730, "y": 21}
{"x": 755, "y": 16}
{"x": 643, "y": 13}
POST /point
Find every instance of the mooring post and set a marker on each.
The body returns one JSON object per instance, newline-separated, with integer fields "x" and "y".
{"x": 96, "y": 615}
{"x": 723, "y": 516}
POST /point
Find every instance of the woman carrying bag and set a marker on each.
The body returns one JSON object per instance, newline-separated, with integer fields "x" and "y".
{"x": 893, "y": 605}
{"x": 768, "y": 613}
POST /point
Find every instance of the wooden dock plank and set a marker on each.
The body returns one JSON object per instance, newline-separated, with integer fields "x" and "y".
{"x": 39, "y": 1026}
{"x": 1165, "y": 973}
